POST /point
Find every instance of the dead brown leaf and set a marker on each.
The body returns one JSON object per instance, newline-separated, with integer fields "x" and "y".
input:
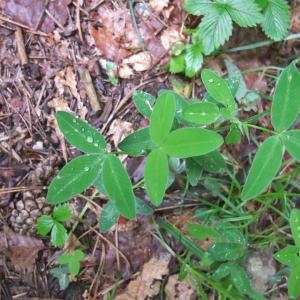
{"x": 21, "y": 250}
{"x": 29, "y": 12}
{"x": 148, "y": 283}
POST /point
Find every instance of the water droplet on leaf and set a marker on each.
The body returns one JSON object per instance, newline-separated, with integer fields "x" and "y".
{"x": 89, "y": 139}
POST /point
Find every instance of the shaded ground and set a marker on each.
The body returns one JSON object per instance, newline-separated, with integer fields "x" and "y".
{"x": 47, "y": 66}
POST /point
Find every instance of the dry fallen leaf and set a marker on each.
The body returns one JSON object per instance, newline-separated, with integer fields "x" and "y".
{"x": 179, "y": 290}
{"x": 158, "y": 5}
{"x": 148, "y": 283}
{"x": 21, "y": 250}
{"x": 28, "y": 12}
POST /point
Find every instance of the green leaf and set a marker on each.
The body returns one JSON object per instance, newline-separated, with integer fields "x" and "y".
{"x": 275, "y": 23}
{"x": 203, "y": 113}
{"x": 144, "y": 102}
{"x": 156, "y": 175}
{"x": 61, "y": 273}
{"x": 295, "y": 226}
{"x": 288, "y": 255}
{"x": 244, "y": 13}
{"x": 226, "y": 251}
{"x": 215, "y": 28}
{"x": 74, "y": 178}
{"x": 212, "y": 162}
{"x": 217, "y": 88}
{"x": 177, "y": 64}
{"x": 79, "y": 133}
{"x": 222, "y": 271}
{"x": 197, "y": 7}
{"x": 193, "y": 171}
{"x": 193, "y": 58}
{"x": 234, "y": 135}
{"x": 240, "y": 279}
{"x": 72, "y": 259}
{"x": 291, "y": 140}
{"x": 44, "y": 225}
{"x": 137, "y": 143}
{"x": 142, "y": 208}
{"x": 58, "y": 234}
{"x": 293, "y": 281}
{"x": 62, "y": 213}
{"x": 231, "y": 234}
{"x": 202, "y": 232}
{"x": 162, "y": 117}
{"x": 265, "y": 166}
{"x": 286, "y": 104}
{"x": 109, "y": 216}
{"x": 188, "y": 142}
{"x": 118, "y": 186}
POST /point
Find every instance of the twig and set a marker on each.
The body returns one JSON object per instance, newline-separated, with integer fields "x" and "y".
{"x": 54, "y": 20}
{"x": 21, "y": 46}
{"x": 86, "y": 78}
{"x": 78, "y": 21}
{"x": 23, "y": 26}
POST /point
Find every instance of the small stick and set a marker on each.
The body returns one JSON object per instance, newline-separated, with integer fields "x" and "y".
{"x": 78, "y": 25}
{"x": 21, "y": 46}
{"x": 86, "y": 78}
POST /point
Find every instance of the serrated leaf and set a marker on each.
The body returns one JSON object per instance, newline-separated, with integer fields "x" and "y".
{"x": 203, "y": 113}
{"x": 156, "y": 175}
{"x": 58, "y": 234}
{"x": 288, "y": 255}
{"x": 215, "y": 28}
{"x": 44, "y": 225}
{"x": 217, "y": 88}
{"x": 295, "y": 226}
{"x": 188, "y": 142}
{"x": 202, "y": 232}
{"x": 79, "y": 133}
{"x": 244, "y": 13}
{"x": 61, "y": 273}
{"x": 62, "y": 213}
{"x": 193, "y": 58}
{"x": 265, "y": 166}
{"x": 142, "y": 208}
{"x": 291, "y": 140}
{"x": 177, "y": 64}
{"x": 197, "y": 7}
{"x": 137, "y": 143}
{"x": 162, "y": 117}
{"x": 286, "y": 104}
{"x": 293, "y": 281}
{"x": 109, "y": 216}
{"x": 72, "y": 259}
{"x": 240, "y": 279}
{"x": 144, "y": 103}
{"x": 275, "y": 22}
{"x": 76, "y": 176}
{"x": 118, "y": 186}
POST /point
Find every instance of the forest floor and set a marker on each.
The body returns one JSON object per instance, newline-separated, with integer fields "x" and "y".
{"x": 54, "y": 57}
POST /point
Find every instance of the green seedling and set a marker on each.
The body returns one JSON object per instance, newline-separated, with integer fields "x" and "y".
{"x": 215, "y": 28}
{"x": 290, "y": 256}
{"x": 53, "y": 224}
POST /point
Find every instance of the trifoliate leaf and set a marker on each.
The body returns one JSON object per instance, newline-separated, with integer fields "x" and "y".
{"x": 44, "y": 225}
{"x": 62, "y": 213}
{"x": 177, "y": 64}
{"x": 193, "y": 59}
{"x": 244, "y": 13}
{"x": 58, "y": 234}
{"x": 197, "y": 7}
{"x": 73, "y": 260}
{"x": 276, "y": 22}
{"x": 215, "y": 28}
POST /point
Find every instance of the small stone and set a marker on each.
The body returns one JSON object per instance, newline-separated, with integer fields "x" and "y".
{"x": 29, "y": 205}
{"x": 35, "y": 213}
{"x": 20, "y": 205}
